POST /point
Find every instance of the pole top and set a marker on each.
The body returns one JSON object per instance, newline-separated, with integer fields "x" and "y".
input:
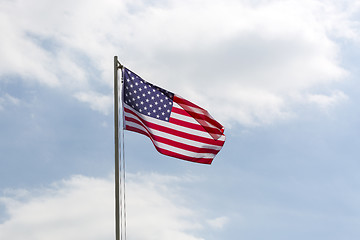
{"x": 118, "y": 64}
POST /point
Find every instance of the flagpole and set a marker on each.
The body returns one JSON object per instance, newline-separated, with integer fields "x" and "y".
{"x": 116, "y": 125}
{"x": 120, "y": 211}
{"x": 122, "y": 158}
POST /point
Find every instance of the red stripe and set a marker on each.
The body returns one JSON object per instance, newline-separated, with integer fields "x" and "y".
{"x": 171, "y": 153}
{"x": 134, "y": 129}
{"x": 189, "y": 112}
{"x": 177, "y": 132}
{"x": 183, "y": 157}
{"x": 214, "y": 128}
{"x": 186, "y": 113}
{"x": 141, "y": 122}
{"x": 184, "y": 146}
{"x": 174, "y": 143}
{"x": 199, "y": 127}
{"x": 186, "y": 124}
{"x": 180, "y": 111}
{"x": 181, "y": 100}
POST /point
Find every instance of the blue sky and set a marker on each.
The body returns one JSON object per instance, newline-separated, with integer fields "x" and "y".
{"x": 281, "y": 75}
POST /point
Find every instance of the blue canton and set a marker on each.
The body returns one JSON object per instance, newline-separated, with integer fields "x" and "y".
{"x": 147, "y": 98}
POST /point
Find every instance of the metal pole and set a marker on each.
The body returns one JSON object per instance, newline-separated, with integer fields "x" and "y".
{"x": 122, "y": 160}
{"x": 116, "y": 124}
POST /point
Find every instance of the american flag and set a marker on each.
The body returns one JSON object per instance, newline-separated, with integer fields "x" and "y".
{"x": 176, "y": 127}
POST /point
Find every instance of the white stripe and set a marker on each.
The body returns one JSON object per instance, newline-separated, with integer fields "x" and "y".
{"x": 184, "y": 118}
{"x": 174, "y": 126}
{"x": 173, "y": 137}
{"x": 191, "y": 119}
{"x": 196, "y": 110}
{"x": 176, "y": 138}
{"x": 185, "y": 140}
{"x": 187, "y": 118}
{"x": 184, "y": 152}
{"x": 170, "y": 136}
{"x": 138, "y": 126}
{"x": 172, "y": 148}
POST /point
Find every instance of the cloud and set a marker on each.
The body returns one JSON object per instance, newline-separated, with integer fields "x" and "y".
{"x": 327, "y": 101}
{"x": 254, "y": 58}
{"x": 218, "y": 223}
{"x": 83, "y": 208}
{"x": 97, "y": 101}
{"x": 7, "y": 99}
{"x": 249, "y": 59}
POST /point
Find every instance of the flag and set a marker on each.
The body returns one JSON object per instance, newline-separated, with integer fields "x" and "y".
{"x": 177, "y": 127}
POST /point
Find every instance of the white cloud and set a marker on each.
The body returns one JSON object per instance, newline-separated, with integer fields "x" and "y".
{"x": 327, "y": 101}
{"x": 98, "y": 102}
{"x": 83, "y": 208}
{"x": 218, "y": 223}
{"x": 252, "y": 57}
{"x": 7, "y": 99}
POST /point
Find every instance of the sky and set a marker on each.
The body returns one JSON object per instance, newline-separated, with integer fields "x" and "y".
{"x": 280, "y": 75}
